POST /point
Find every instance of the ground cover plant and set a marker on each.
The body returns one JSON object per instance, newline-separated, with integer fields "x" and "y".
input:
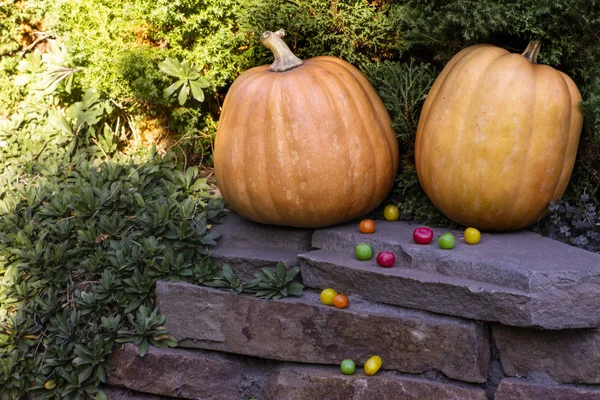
{"x": 89, "y": 220}
{"x": 92, "y": 214}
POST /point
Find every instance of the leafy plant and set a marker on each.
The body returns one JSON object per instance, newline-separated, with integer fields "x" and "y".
{"x": 403, "y": 87}
{"x": 226, "y": 279}
{"x": 576, "y": 224}
{"x": 269, "y": 284}
{"x": 147, "y": 329}
{"x": 189, "y": 80}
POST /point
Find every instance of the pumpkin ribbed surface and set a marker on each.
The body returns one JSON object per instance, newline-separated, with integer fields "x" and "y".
{"x": 308, "y": 147}
{"x": 497, "y": 138}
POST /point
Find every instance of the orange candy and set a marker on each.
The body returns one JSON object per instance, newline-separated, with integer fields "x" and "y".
{"x": 341, "y": 301}
{"x": 366, "y": 226}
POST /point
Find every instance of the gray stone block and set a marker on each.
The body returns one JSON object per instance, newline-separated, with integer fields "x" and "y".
{"x": 569, "y": 356}
{"x": 238, "y": 232}
{"x": 520, "y": 389}
{"x": 415, "y": 288}
{"x": 187, "y": 374}
{"x": 559, "y": 284}
{"x": 327, "y": 383}
{"x": 303, "y": 330}
{"x": 245, "y": 262}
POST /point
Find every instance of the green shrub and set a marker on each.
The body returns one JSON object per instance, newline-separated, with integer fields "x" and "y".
{"x": 577, "y": 224}
{"x": 356, "y": 31}
{"x": 85, "y": 232}
{"x": 119, "y": 45}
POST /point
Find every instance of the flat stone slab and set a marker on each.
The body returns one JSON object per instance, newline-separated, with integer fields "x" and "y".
{"x": 239, "y": 232}
{"x": 245, "y": 262}
{"x": 571, "y": 356}
{"x": 303, "y": 330}
{"x": 187, "y": 374}
{"x": 317, "y": 383}
{"x": 559, "y": 284}
{"x": 520, "y": 389}
{"x": 415, "y": 288}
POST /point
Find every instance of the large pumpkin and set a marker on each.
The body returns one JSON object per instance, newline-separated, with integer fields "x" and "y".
{"x": 303, "y": 143}
{"x": 497, "y": 137}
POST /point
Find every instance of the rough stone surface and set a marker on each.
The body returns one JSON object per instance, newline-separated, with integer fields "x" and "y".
{"x": 414, "y": 288}
{"x": 563, "y": 282}
{"x": 238, "y": 232}
{"x": 569, "y": 356}
{"x": 327, "y": 383}
{"x": 303, "y": 330}
{"x": 520, "y": 389}
{"x": 113, "y": 393}
{"x": 187, "y": 374}
{"x": 247, "y": 262}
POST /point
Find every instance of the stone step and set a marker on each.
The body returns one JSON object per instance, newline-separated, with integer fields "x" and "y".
{"x": 303, "y": 330}
{"x": 198, "y": 374}
{"x": 320, "y": 383}
{"x": 238, "y": 232}
{"x": 414, "y": 288}
{"x": 114, "y": 393}
{"x": 521, "y": 389}
{"x": 245, "y": 262}
{"x": 569, "y": 356}
{"x": 188, "y": 374}
{"x": 561, "y": 282}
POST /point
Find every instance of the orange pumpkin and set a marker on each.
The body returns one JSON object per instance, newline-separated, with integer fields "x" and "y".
{"x": 303, "y": 143}
{"x": 497, "y": 138}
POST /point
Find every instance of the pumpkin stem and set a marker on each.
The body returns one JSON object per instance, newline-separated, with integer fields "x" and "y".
{"x": 284, "y": 58}
{"x": 532, "y": 51}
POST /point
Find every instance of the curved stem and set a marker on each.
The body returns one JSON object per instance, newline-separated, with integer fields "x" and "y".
{"x": 532, "y": 51}
{"x": 284, "y": 58}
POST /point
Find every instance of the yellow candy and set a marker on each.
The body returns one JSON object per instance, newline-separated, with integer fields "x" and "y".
{"x": 372, "y": 365}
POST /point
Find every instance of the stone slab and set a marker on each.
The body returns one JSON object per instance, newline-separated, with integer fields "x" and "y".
{"x": 187, "y": 374}
{"x": 327, "y": 383}
{"x": 520, "y": 389}
{"x": 247, "y": 262}
{"x": 415, "y": 288}
{"x": 114, "y": 393}
{"x": 239, "y": 232}
{"x": 564, "y": 281}
{"x": 303, "y": 330}
{"x": 569, "y": 356}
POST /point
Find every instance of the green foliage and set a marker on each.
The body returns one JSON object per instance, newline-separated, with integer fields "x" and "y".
{"x": 269, "y": 284}
{"x": 189, "y": 80}
{"x": 89, "y": 243}
{"x": 85, "y": 233}
{"x": 577, "y": 224}
{"x": 403, "y": 88}
{"x": 137, "y": 68}
{"x": 591, "y": 109}
{"x": 18, "y": 19}
{"x": 356, "y": 31}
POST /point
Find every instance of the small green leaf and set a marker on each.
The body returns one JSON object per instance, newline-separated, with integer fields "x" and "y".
{"x": 197, "y": 92}
{"x": 183, "y": 94}
{"x": 171, "y": 89}
{"x": 85, "y": 374}
{"x": 139, "y": 199}
{"x": 295, "y": 289}
{"x": 280, "y": 271}
{"x": 291, "y": 274}
{"x": 171, "y": 66}
{"x": 143, "y": 348}
{"x": 270, "y": 274}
